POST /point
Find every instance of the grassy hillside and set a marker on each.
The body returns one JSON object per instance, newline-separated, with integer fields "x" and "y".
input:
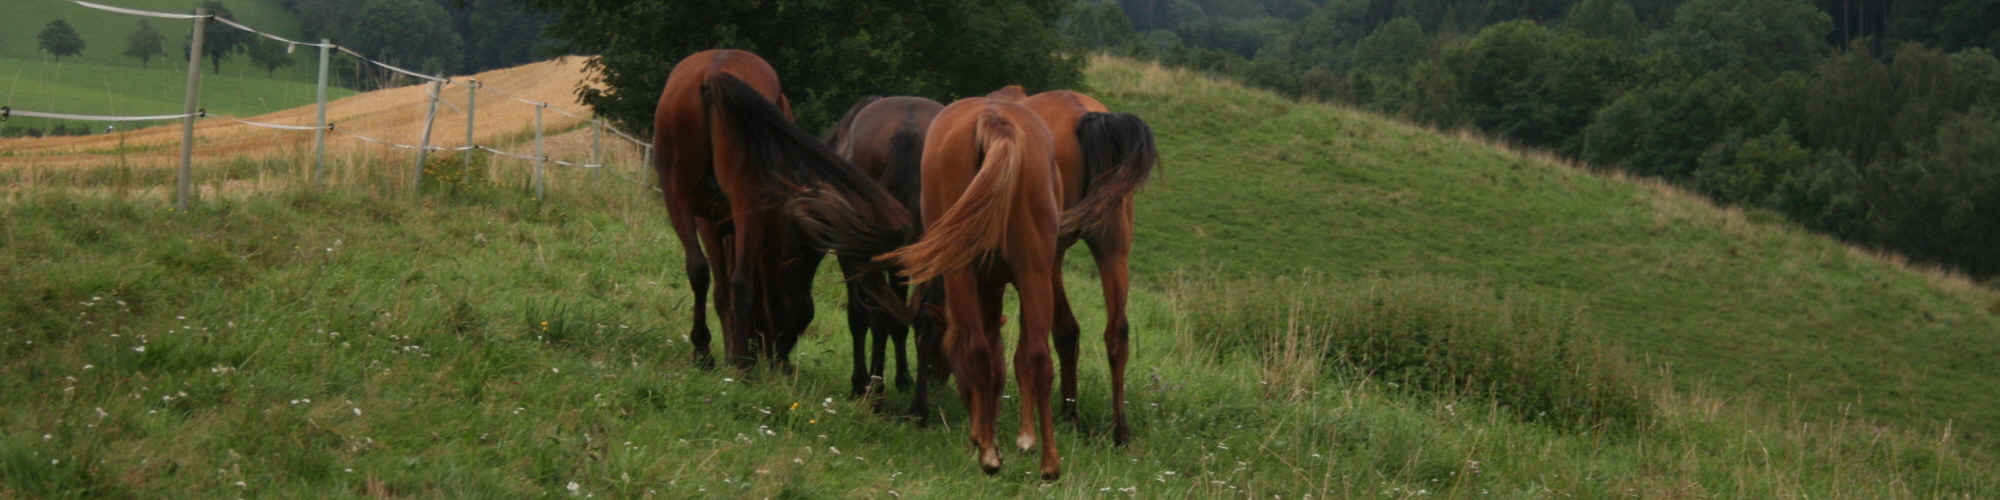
{"x": 1348, "y": 325}
{"x": 1255, "y": 186}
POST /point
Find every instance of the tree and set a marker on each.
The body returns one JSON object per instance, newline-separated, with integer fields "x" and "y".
{"x": 1522, "y": 82}
{"x": 220, "y": 41}
{"x": 827, "y": 54}
{"x": 1766, "y": 37}
{"x": 1662, "y": 129}
{"x": 1096, "y": 24}
{"x": 495, "y": 34}
{"x": 415, "y": 34}
{"x": 59, "y": 39}
{"x": 1396, "y": 44}
{"x": 1613, "y": 19}
{"x": 145, "y": 43}
{"x": 270, "y": 55}
{"x": 1853, "y": 101}
{"x": 1748, "y": 172}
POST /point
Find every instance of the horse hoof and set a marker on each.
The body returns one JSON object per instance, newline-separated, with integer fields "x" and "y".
{"x": 704, "y": 361}
{"x": 1051, "y": 475}
{"x": 1121, "y": 436}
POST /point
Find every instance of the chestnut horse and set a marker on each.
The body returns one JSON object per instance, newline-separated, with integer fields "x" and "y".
{"x": 1104, "y": 159}
{"x": 990, "y": 218}
{"x": 744, "y": 185}
{"x": 884, "y": 138}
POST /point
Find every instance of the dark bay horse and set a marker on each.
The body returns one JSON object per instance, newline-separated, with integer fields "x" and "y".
{"x": 745, "y": 186}
{"x": 991, "y": 213}
{"x": 884, "y": 138}
{"x": 1104, "y": 158}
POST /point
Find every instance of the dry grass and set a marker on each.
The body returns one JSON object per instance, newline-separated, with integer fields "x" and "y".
{"x": 395, "y": 115}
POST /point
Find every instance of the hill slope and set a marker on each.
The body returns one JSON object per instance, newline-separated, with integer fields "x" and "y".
{"x": 474, "y": 342}
{"x": 1256, "y": 186}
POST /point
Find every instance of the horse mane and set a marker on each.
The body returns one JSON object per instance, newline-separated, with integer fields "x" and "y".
{"x": 1118, "y": 156}
{"x": 838, "y": 208}
{"x": 973, "y": 226}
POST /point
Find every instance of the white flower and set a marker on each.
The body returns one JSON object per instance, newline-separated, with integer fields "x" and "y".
{"x": 139, "y": 348}
{"x": 573, "y": 487}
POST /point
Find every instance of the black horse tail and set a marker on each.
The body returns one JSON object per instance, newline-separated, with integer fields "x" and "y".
{"x": 839, "y": 209}
{"x": 902, "y": 176}
{"x": 1118, "y": 156}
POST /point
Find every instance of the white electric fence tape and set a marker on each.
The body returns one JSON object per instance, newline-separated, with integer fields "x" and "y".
{"x": 9, "y": 112}
{"x": 135, "y": 12}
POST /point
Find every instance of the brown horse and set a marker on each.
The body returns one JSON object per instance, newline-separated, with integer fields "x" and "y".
{"x": 1104, "y": 158}
{"x": 746, "y": 186}
{"x": 884, "y": 138}
{"x": 990, "y": 217}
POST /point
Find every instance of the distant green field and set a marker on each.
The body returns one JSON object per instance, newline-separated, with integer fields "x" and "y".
{"x": 104, "y": 34}
{"x": 103, "y": 82}
{"x": 111, "y": 90}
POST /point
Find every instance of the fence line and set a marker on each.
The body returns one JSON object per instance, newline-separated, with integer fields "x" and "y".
{"x": 6, "y": 112}
{"x": 433, "y": 94}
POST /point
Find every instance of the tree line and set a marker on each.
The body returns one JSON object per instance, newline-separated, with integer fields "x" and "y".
{"x": 1875, "y": 122}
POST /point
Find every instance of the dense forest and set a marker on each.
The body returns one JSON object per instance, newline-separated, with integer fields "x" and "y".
{"x": 1876, "y": 122}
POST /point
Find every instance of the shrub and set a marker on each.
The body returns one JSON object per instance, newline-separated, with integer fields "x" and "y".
{"x": 1425, "y": 334}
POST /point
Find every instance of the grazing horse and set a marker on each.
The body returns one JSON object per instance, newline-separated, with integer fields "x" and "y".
{"x": 990, "y": 217}
{"x": 745, "y": 186}
{"x": 1104, "y": 157}
{"x": 884, "y": 138}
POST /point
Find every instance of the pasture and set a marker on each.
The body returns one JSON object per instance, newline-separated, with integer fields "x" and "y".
{"x": 1543, "y": 331}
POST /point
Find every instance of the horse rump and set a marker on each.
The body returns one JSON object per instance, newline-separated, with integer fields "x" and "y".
{"x": 1118, "y": 156}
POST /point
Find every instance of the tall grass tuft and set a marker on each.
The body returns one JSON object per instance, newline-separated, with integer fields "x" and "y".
{"x": 1426, "y": 334}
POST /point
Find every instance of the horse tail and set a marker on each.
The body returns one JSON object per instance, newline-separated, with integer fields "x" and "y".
{"x": 1118, "y": 156}
{"x": 973, "y": 226}
{"x": 838, "y": 208}
{"x": 902, "y": 177}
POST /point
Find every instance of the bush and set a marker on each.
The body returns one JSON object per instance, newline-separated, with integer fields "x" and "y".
{"x": 1426, "y": 334}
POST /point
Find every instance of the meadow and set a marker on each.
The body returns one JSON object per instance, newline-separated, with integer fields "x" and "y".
{"x": 1329, "y": 304}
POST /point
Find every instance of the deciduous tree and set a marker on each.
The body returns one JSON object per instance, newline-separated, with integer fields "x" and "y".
{"x": 59, "y": 39}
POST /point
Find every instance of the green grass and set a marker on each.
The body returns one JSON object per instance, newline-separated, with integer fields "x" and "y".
{"x": 1254, "y": 186}
{"x": 1332, "y": 328}
{"x": 79, "y": 88}
{"x": 478, "y": 344}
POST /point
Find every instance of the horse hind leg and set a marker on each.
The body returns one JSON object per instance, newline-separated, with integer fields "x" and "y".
{"x": 859, "y": 380}
{"x": 1065, "y": 332}
{"x": 1112, "y": 255}
{"x": 1033, "y": 370}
